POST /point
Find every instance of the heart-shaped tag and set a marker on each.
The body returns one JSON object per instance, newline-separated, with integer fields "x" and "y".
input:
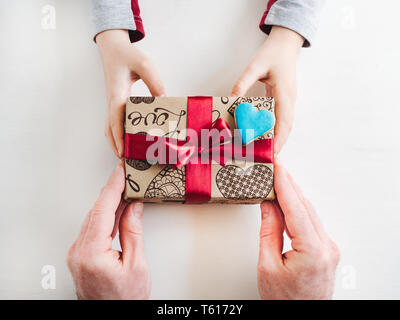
{"x": 251, "y": 122}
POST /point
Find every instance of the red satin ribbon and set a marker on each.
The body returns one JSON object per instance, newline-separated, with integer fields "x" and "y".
{"x": 188, "y": 153}
{"x": 181, "y": 153}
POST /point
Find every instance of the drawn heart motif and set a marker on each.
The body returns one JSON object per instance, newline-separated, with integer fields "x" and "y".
{"x": 253, "y": 183}
{"x": 251, "y": 122}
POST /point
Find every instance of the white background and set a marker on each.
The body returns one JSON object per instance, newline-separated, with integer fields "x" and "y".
{"x": 343, "y": 150}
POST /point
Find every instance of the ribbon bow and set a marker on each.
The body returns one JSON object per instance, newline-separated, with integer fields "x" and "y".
{"x": 196, "y": 154}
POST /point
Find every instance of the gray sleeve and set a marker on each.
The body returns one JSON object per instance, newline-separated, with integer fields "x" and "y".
{"x": 115, "y": 14}
{"x": 298, "y": 15}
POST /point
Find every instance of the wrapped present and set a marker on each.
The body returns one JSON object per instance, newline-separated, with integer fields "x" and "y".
{"x": 172, "y": 155}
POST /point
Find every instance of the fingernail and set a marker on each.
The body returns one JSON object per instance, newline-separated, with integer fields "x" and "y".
{"x": 277, "y": 160}
{"x": 264, "y": 211}
{"x": 276, "y": 147}
{"x": 264, "y": 214}
{"x": 119, "y": 151}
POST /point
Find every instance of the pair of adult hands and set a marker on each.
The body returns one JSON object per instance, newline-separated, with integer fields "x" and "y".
{"x": 305, "y": 272}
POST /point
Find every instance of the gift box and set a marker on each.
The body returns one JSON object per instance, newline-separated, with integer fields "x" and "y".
{"x": 164, "y": 158}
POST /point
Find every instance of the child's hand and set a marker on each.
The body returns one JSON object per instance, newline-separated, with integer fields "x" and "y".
{"x": 275, "y": 65}
{"x": 123, "y": 65}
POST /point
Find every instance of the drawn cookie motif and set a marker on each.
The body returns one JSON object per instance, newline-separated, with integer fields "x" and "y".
{"x": 140, "y": 165}
{"x": 137, "y": 100}
{"x": 168, "y": 183}
{"x": 255, "y": 182}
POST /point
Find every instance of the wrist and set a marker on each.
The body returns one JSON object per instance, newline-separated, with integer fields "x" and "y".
{"x": 287, "y": 40}
{"x": 112, "y": 38}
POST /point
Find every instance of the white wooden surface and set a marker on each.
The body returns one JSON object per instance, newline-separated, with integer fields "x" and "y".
{"x": 343, "y": 151}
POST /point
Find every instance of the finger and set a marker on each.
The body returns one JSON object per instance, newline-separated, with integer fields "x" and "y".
{"x": 131, "y": 235}
{"x": 284, "y": 221}
{"x": 284, "y": 113}
{"x": 121, "y": 208}
{"x": 102, "y": 215}
{"x": 148, "y": 73}
{"x": 110, "y": 138}
{"x": 296, "y": 216}
{"x": 117, "y": 126}
{"x": 311, "y": 212}
{"x": 246, "y": 80}
{"x": 271, "y": 235}
{"x": 74, "y": 249}
{"x": 84, "y": 228}
{"x": 268, "y": 90}
{"x": 116, "y": 115}
{"x": 318, "y": 226}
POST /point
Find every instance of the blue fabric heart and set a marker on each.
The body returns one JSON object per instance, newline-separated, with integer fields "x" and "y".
{"x": 252, "y": 123}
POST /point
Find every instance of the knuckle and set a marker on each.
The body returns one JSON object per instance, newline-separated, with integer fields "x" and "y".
{"x": 335, "y": 253}
{"x": 326, "y": 259}
{"x": 102, "y": 190}
{"x": 316, "y": 251}
{"x": 252, "y": 68}
{"x": 70, "y": 256}
{"x": 135, "y": 230}
{"x": 97, "y": 208}
{"x": 238, "y": 87}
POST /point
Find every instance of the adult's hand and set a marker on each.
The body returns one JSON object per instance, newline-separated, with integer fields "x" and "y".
{"x": 99, "y": 272}
{"x": 123, "y": 65}
{"x": 308, "y": 270}
{"x": 275, "y": 65}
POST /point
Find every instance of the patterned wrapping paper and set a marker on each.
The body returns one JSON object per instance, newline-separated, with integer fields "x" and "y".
{"x": 236, "y": 182}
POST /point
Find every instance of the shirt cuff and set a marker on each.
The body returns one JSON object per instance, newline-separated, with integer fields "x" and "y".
{"x": 107, "y": 15}
{"x": 299, "y": 16}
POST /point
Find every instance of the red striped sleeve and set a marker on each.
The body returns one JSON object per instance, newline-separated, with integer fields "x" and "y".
{"x": 262, "y": 25}
{"x": 138, "y": 34}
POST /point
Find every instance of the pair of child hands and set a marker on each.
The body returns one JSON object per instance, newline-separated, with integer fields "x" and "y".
{"x": 274, "y": 64}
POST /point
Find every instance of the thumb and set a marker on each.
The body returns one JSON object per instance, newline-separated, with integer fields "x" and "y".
{"x": 131, "y": 234}
{"x": 284, "y": 112}
{"x": 271, "y": 235}
{"x": 151, "y": 78}
{"x": 246, "y": 80}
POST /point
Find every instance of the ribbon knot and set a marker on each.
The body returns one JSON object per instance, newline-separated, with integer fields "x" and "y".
{"x": 196, "y": 153}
